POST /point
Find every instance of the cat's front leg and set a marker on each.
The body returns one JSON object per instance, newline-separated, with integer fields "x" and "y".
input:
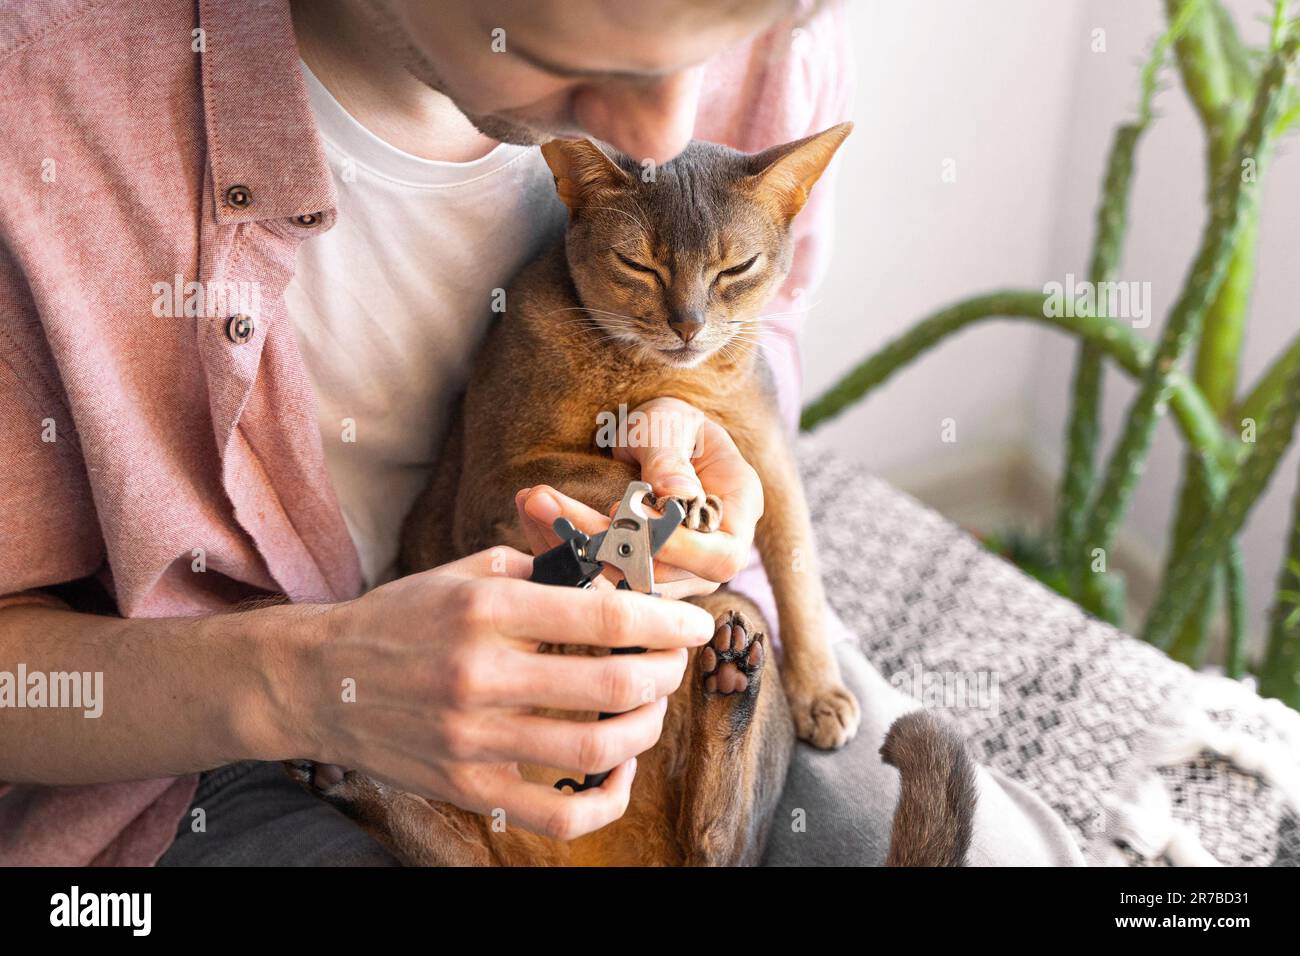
{"x": 826, "y": 714}
{"x": 486, "y": 514}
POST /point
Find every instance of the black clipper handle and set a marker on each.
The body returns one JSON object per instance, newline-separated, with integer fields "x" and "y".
{"x": 596, "y": 779}
{"x": 566, "y": 565}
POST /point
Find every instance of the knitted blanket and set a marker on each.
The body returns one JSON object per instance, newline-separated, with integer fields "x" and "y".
{"x": 1149, "y": 762}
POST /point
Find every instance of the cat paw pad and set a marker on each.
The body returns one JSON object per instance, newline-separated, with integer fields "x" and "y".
{"x": 732, "y": 661}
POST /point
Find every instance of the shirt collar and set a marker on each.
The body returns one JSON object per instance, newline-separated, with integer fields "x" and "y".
{"x": 262, "y": 139}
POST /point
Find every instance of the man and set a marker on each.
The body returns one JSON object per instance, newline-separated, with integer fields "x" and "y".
{"x": 246, "y": 256}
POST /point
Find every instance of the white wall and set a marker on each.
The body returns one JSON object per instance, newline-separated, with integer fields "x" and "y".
{"x": 1011, "y": 90}
{"x": 987, "y": 86}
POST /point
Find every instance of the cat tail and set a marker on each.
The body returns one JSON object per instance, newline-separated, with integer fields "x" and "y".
{"x": 936, "y": 802}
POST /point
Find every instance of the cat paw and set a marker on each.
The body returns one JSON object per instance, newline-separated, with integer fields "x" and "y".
{"x": 703, "y": 512}
{"x": 732, "y": 662}
{"x": 356, "y": 795}
{"x": 317, "y": 777}
{"x": 302, "y": 772}
{"x": 826, "y": 714}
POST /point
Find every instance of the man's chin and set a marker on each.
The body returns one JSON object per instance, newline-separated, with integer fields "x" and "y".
{"x": 508, "y": 131}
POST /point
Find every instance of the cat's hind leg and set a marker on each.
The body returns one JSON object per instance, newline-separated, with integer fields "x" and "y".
{"x": 740, "y": 739}
{"x": 420, "y": 832}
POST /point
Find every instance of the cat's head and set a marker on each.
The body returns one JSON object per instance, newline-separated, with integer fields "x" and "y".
{"x": 676, "y": 263}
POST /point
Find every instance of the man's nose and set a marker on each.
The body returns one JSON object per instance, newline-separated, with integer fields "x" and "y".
{"x": 651, "y": 119}
{"x": 687, "y": 324}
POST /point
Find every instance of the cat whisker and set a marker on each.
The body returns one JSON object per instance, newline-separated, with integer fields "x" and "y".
{"x": 641, "y": 210}
{"x": 609, "y": 325}
{"x": 603, "y": 324}
{"x": 623, "y": 242}
{"x": 789, "y": 314}
{"x": 583, "y": 308}
{"x": 804, "y": 310}
{"x": 738, "y": 348}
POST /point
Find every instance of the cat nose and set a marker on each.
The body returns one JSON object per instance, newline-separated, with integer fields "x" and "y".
{"x": 687, "y": 325}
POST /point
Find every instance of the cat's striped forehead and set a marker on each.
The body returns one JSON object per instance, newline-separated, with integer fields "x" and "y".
{"x": 699, "y": 205}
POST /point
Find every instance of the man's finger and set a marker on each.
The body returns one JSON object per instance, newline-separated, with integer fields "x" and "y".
{"x": 611, "y": 683}
{"x": 715, "y": 556}
{"x": 540, "y": 506}
{"x": 669, "y": 471}
{"x": 564, "y": 816}
{"x": 502, "y": 560}
{"x": 524, "y": 611}
{"x": 542, "y": 538}
{"x": 538, "y": 542}
{"x": 578, "y": 747}
{"x": 674, "y": 428}
{"x": 689, "y": 586}
{"x": 543, "y": 504}
{"x": 726, "y": 474}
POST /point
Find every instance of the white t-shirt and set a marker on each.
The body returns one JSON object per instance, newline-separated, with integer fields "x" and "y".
{"x": 390, "y": 305}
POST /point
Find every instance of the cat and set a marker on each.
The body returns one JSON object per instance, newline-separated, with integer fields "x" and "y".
{"x": 657, "y": 290}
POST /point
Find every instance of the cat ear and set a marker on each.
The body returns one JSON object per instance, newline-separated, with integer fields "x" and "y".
{"x": 783, "y": 175}
{"x": 581, "y": 167}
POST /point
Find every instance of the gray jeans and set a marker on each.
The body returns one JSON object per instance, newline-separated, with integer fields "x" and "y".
{"x": 836, "y": 809}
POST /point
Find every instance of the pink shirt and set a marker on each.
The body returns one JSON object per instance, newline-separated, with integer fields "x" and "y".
{"x": 130, "y": 159}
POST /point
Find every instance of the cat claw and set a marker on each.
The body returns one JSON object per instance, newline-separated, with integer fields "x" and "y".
{"x": 703, "y": 512}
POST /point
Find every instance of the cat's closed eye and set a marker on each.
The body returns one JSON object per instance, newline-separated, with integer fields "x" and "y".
{"x": 636, "y": 266}
{"x": 743, "y": 267}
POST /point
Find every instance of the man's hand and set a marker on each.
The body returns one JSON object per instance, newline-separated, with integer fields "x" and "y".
{"x": 448, "y": 676}
{"x": 693, "y": 457}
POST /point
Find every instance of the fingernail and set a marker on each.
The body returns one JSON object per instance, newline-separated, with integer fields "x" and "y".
{"x": 680, "y": 486}
{"x": 522, "y": 492}
{"x": 544, "y": 507}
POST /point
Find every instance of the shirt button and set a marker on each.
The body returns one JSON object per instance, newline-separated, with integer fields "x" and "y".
{"x": 308, "y": 219}
{"x": 238, "y": 197}
{"x": 239, "y": 328}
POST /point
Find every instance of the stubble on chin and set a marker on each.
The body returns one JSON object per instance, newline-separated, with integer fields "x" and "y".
{"x": 507, "y": 131}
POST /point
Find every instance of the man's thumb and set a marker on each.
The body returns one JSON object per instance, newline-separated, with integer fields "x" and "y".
{"x": 670, "y": 474}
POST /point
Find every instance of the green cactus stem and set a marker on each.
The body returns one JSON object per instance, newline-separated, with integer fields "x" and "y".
{"x": 1218, "y": 242}
{"x": 1211, "y": 540}
{"x": 1252, "y": 407}
{"x": 1126, "y": 348}
{"x": 1084, "y": 428}
{"x": 1234, "y": 571}
{"x": 1279, "y": 675}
